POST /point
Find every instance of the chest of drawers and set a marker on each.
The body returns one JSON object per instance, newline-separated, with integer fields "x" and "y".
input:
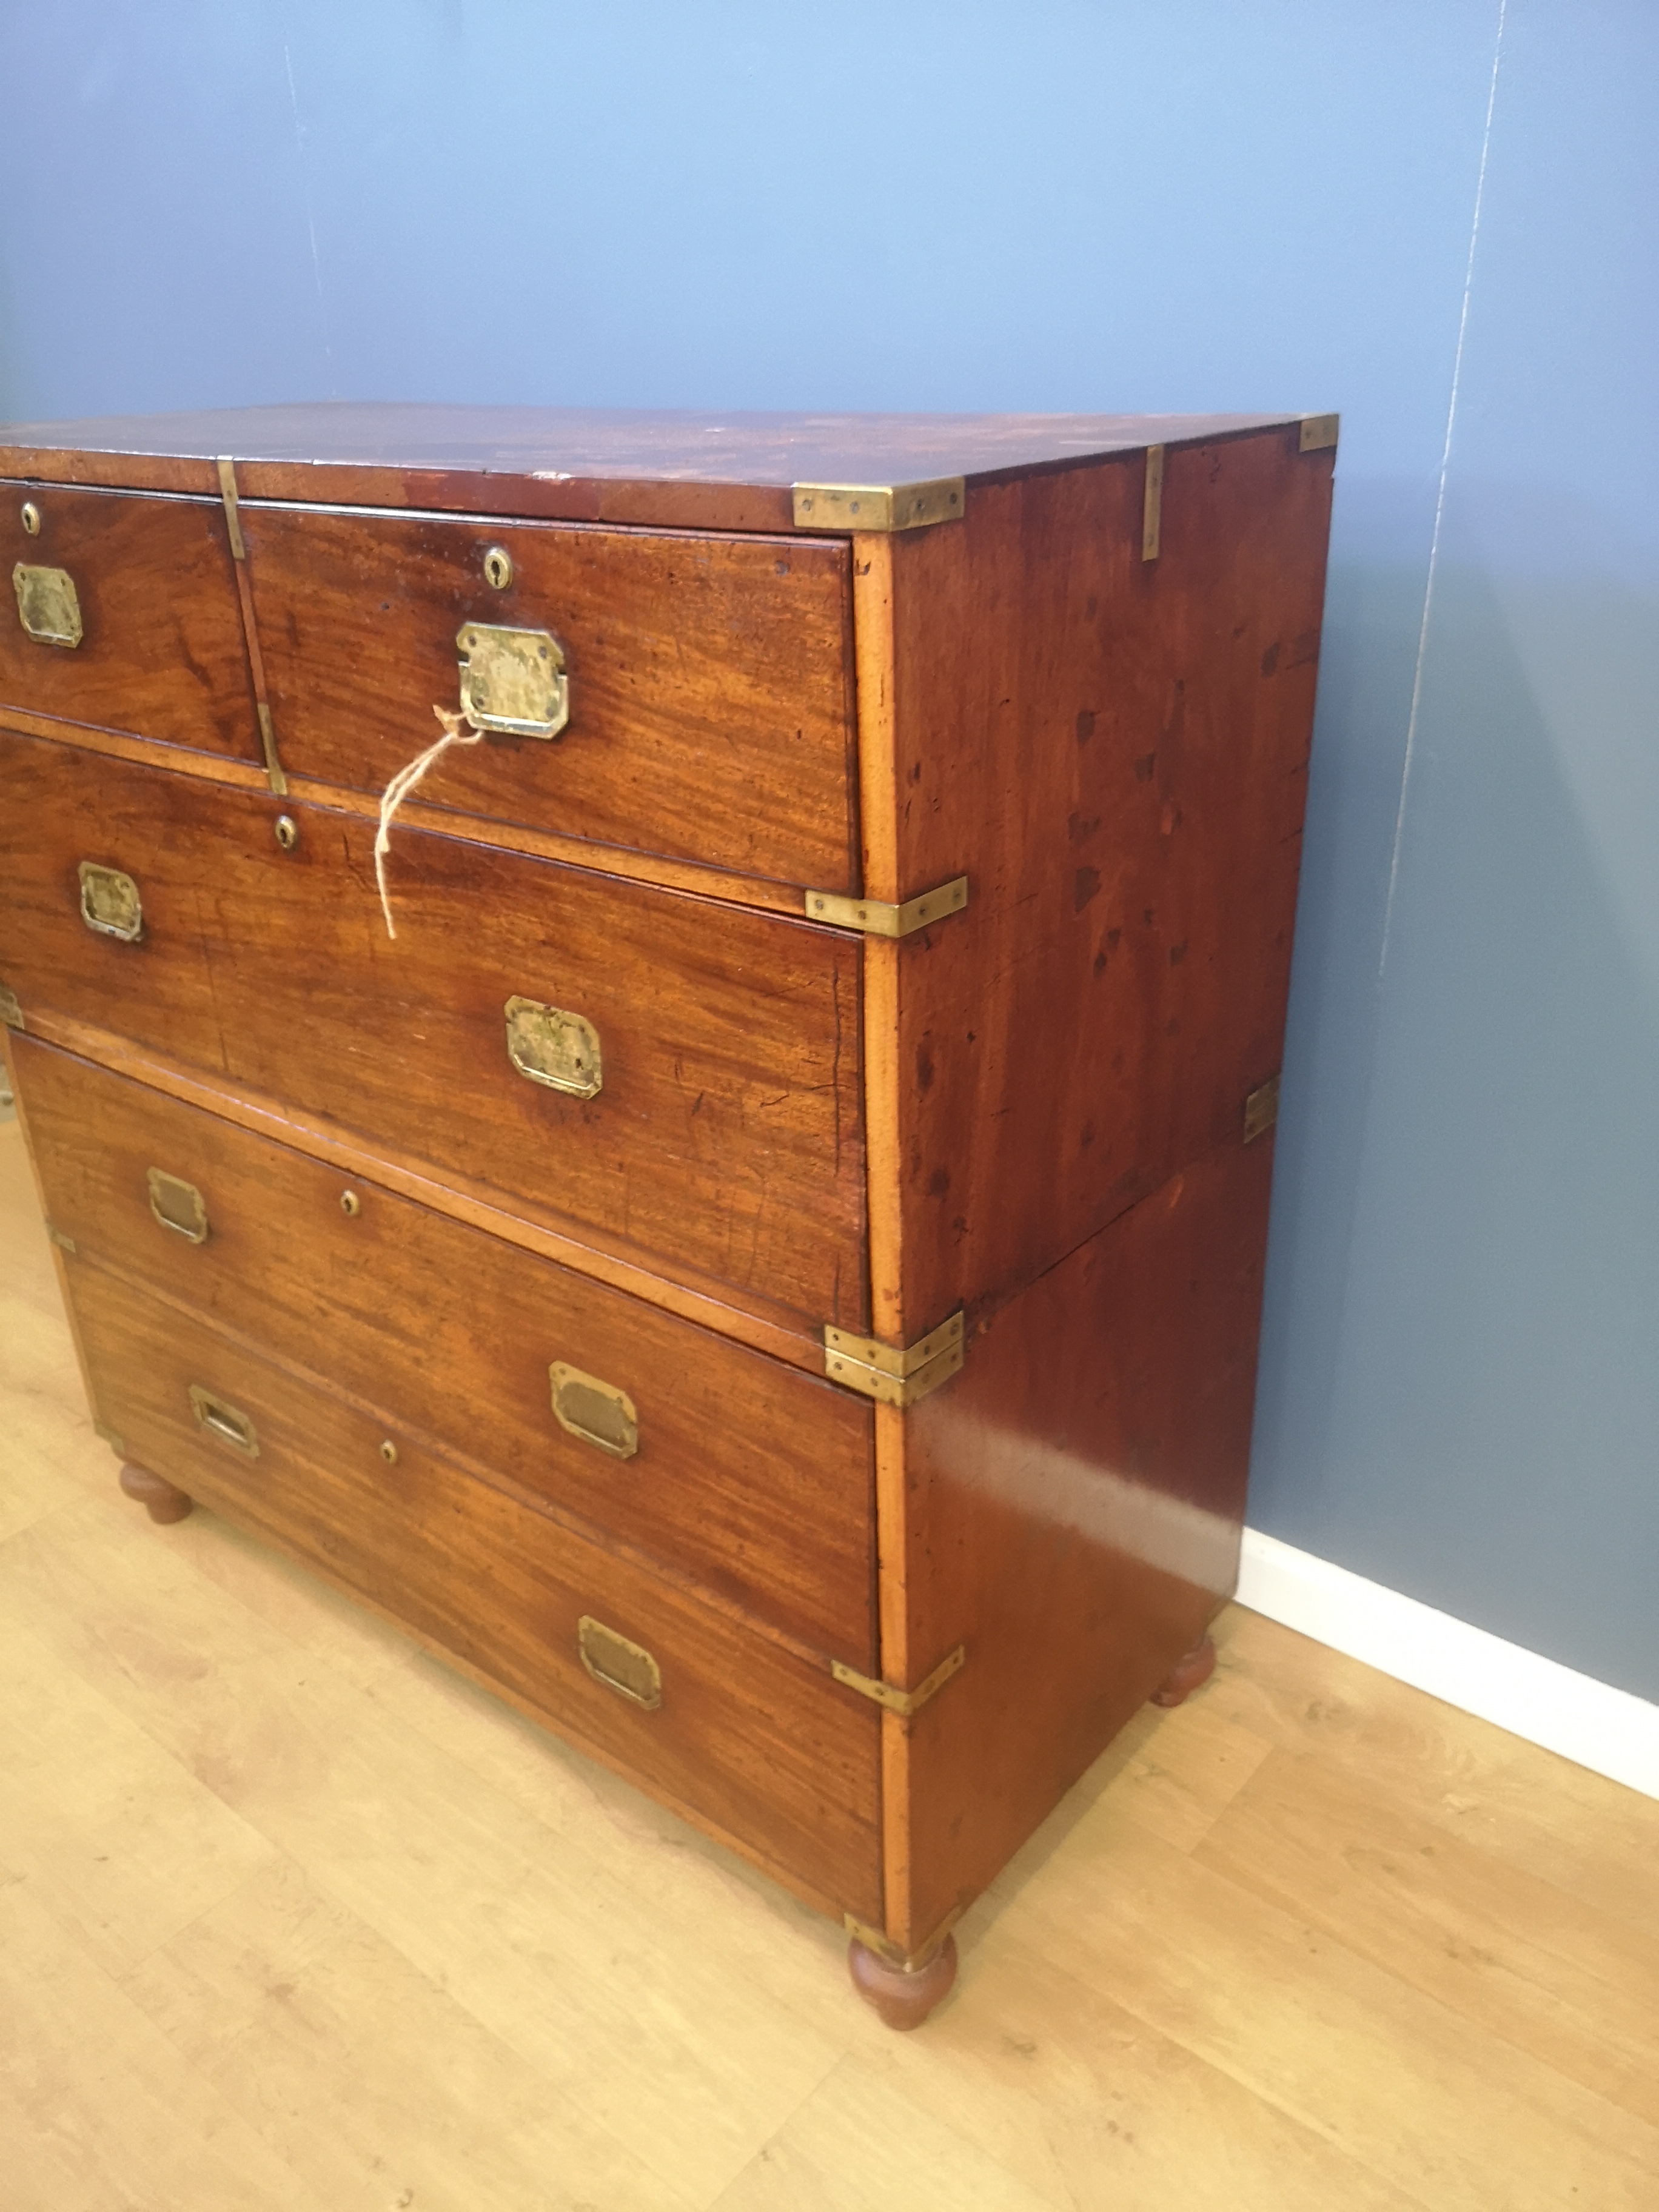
{"x": 754, "y": 1248}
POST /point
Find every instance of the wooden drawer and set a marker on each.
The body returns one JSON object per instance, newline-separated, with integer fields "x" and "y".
{"x": 747, "y": 1475}
{"x": 754, "y": 1742}
{"x": 708, "y": 679}
{"x": 725, "y": 1143}
{"x": 161, "y": 651}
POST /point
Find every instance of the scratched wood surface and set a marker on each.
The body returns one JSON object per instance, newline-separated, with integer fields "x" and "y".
{"x": 291, "y": 1919}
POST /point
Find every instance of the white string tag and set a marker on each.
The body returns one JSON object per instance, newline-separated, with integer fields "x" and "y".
{"x": 399, "y": 789}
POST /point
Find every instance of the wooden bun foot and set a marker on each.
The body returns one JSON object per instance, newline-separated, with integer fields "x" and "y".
{"x": 1188, "y": 1674}
{"x": 159, "y": 1499}
{"x": 904, "y": 1997}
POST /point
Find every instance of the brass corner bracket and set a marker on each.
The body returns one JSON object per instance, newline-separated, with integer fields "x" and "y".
{"x": 905, "y": 1703}
{"x": 879, "y": 507}
{"x": 880, "y": 917}
{"x": 1319, "y": 431}
{"x": 11, "y": 1011}
{"x": 912, "y": 1962}
{"x": 890, "y": 1377}
{"x": 1262, "y": 1109}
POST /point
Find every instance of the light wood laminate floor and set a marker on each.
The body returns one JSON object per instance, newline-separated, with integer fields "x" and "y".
{"x": 292, "y": 1918}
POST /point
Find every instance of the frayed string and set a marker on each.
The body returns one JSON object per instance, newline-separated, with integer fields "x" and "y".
{"x": 399, "y": 789}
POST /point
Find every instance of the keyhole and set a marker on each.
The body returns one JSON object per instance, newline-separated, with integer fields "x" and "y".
{"x": 498, "y": 567}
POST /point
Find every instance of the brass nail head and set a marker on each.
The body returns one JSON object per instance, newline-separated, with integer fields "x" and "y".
{"x": 31, "y": 518}
{"x": 288, "y": 832}
{"x": 350, "y": 1203}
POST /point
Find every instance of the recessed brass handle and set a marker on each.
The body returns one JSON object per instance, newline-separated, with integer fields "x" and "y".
{"x": 551, "y": 1046}
{"x": 48, "y": 604}
{"x": 110, "y": 903}
{"x": 596, "y": 1412}
{"x": 513, "y": 681}
{"x": 626, "y": 1668}
{"x": 226, "y": 1421}
{"x": 177, "y": 1206}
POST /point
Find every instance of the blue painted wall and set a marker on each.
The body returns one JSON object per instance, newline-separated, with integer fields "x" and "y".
{"x": 1116, "y": 204}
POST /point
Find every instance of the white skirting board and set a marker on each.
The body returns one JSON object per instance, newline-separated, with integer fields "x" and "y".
{"x": 1597, "y": 1726}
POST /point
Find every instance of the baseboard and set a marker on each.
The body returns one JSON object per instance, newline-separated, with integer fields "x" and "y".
{"x": 1607, "y": 1731}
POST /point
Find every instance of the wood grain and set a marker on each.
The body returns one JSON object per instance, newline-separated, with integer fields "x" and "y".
{"x": 1114, "y": 752}
{"x": 711, "y": 709}
{"x": 750, "y": 1476}
{"x": 163, "y": 653}
{"x": 727, "y": 1137}
{"x": 764, "y": 1747}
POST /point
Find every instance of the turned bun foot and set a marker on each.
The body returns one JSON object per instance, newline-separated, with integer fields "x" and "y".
{"x": 159, "y": 1499}
{"x": 1188, "y": 1674}
{"x": 903, "y": 1995}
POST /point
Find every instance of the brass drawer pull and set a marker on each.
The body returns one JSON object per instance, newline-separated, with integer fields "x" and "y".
{"x": 548, "y": 1045}
{"x": 627, "y": 1668}
{"x": 224, "y": 1421}
{"x": 48, "y": 606}
{"x": 513, "y": 681}
{"x": 177, "y": 1206}
{"x": 110, "y": 903}
{"x": 596, "y": 1412}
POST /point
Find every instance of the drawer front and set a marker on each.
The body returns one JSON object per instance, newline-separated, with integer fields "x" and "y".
{"x": 708, "y": 685}
{"x": 757, "y": 1744}
{"x": 161, "y": 650}
{"x": 726, "y": 1139}
{"x": 747, "y": 1475}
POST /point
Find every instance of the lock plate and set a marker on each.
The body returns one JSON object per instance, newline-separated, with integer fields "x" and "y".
{"x": 48, "y": 606}
{"x": 596, "y": 1412}
{"x": 551, "y": 1046}
{"x": 110, "y": 903}
{"x": 513, "y": 681}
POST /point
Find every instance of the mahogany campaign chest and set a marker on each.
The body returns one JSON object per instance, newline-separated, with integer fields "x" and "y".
{"x": 732, "y": 1203}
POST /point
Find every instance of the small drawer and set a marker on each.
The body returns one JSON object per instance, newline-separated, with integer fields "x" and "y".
{"x": 121, "y": 612}
{"x": 757, "y": 1745}
{"x": 675, "y": 1078}
{"x": 694, "y": 693}
{"x": 745, "y": 1475}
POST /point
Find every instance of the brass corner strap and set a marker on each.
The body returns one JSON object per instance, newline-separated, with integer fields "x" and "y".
{"x": 905, "y": 1703}
{"x": 1151, "y": 506}
{"x": 910, "y": 1962}
{"x": 11, "y": 1010}
{"x": 1262, "y": 1109}
{"x": 880, "y": 917}
{"x": 892, "y": 1377}
{"x": 256, "y": 662}
{"x": 879, "y": 507}
{"x": 1319, "y": 432}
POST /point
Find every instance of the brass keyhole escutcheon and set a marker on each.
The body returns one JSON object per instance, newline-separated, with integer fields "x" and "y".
{"x": 350, "y": 1203}
{"x": 31, "y": 518}
{"x": 286, "y": 831}
{"x": 389, "y": 1452}
{"x": 498, "y": 568}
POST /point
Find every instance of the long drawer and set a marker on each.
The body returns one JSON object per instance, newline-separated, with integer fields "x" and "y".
{"x": 124, "y": 615}
{"x": 696, "y": 690}
{"x": 758, "y": 1745}
{"x": 723, "y": 1139}
{"x": 747, "y": 1475}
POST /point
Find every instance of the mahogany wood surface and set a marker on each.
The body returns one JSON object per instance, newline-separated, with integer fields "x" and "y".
{"x": 673, "y": 470}
{"x": 1114, "y": 752}
{"x": 727, "y": 1135}
{"x": 748, "y": 1739}
{"x": 750, "y": 1476}
{"x": 162, "y": 651}
{"x": 903, "y": 1996}
{"x": 1073, "y": 1502}
{"x": 711, "y": 712}
{"x": 159, "y": 1498}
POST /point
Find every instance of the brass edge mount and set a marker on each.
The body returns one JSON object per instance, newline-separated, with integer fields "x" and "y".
{"x": 893, "y": 1377}
{"x": 115, "y": 1444}
{"x": 1319, "y": 431}
{"x": 1262, "y": 1109}
{"x": 880, "y": 917}
{"x": 63, "y": 1244}
{"x": 878, "y": 506}
{"x": 908, "y": 1962}
{"x": 274, "y": 774}
{"x": 907, "y": 1704}
{"x": 11, "y": 1011}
